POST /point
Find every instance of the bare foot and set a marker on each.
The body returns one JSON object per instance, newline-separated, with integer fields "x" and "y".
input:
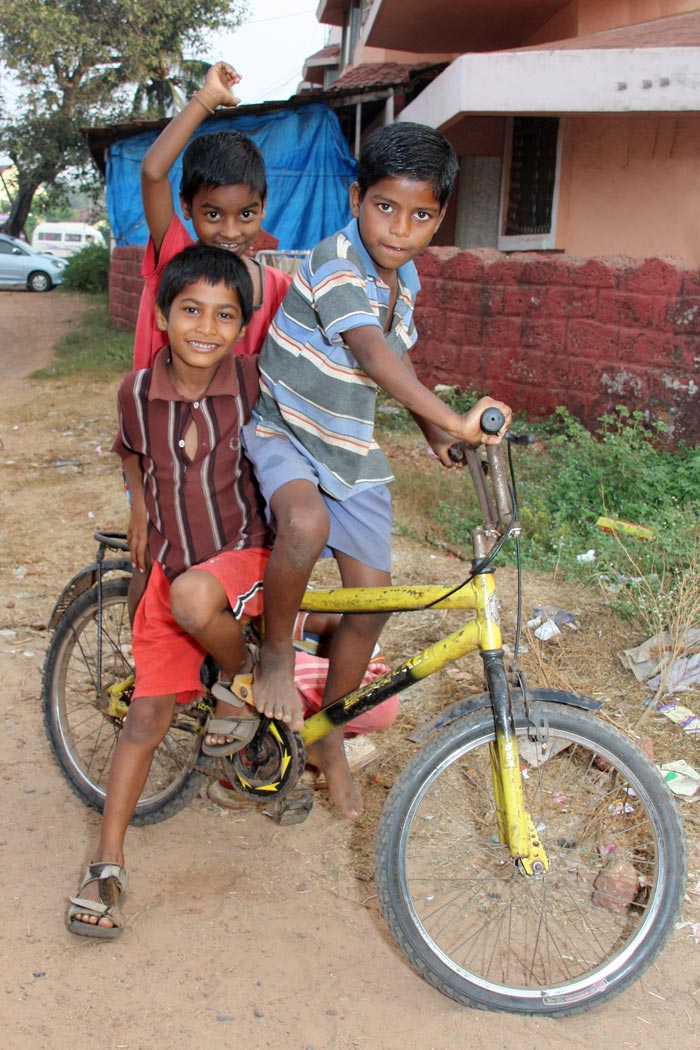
{"x": 274, "y": 692}
{"x": 328, "y": 755}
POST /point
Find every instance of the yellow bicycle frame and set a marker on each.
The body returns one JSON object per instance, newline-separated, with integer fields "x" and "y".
{"x": 515, "y": 826}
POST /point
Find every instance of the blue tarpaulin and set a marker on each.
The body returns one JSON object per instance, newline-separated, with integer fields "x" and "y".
{"x": 309, "y": 169}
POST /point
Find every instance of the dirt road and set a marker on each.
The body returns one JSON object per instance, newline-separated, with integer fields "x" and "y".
{"x": 239, "y": 933}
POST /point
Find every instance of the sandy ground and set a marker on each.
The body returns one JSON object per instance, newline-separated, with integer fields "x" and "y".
{"x": 239, "y": 932}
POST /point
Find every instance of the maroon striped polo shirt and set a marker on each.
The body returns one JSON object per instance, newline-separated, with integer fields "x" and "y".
{"x": 210, "y": 503}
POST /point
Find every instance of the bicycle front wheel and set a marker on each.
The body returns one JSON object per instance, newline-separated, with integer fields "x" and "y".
{"x": 489, "y": 936}
{"x": 83, "y": 719}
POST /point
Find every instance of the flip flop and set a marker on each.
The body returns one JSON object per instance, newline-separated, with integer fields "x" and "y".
{"x": 111, "y": 882}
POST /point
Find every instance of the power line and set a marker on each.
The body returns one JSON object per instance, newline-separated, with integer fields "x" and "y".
{"x": 277, "y": 18}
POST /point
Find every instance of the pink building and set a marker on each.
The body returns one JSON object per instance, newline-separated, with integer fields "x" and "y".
{"x": 577, "y": 124}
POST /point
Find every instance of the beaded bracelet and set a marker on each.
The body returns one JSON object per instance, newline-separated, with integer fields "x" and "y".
{"x": 201, "y": 101}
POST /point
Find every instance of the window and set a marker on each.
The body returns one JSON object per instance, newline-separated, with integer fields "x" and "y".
{"x": 49, "y": 235}
{"x": 74, "y": 238}
{"x": 530, "y": 184}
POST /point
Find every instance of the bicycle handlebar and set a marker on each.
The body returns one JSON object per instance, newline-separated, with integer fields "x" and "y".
{"x": 496, "y": 506}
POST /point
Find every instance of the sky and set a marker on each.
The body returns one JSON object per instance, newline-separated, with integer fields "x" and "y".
{"x": 285, "y": 32}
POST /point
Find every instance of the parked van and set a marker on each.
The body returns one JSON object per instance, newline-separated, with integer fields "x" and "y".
{"x": 64, "y": 238}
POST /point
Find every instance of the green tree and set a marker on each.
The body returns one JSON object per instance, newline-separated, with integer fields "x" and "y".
{"x": 169, "y": 87}
{"x": 78, "y": 63}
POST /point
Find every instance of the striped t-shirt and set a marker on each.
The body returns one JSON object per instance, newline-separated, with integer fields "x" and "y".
{"x": 312, "y": 389}
{"x": 196, "y": 507}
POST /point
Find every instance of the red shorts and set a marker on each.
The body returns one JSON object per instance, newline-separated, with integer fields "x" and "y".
{"x": 167, "y": 659}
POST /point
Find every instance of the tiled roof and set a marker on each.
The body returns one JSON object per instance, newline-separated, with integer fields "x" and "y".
{"x": 326, "y": 54}
{"x": 377, "y": 74}
{"x": 673, "y": 31}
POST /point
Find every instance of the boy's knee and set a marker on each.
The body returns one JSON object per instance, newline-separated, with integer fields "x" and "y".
{"x": 303, "y": 527}
{"x": 147, "y": 722}
{"x": 191, "y": 601}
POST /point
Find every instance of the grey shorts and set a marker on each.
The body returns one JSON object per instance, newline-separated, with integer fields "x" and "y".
{"x": 360, "y": 525}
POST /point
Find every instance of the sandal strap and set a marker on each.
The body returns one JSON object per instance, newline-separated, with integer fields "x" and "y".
{"x": 103, "y": 872}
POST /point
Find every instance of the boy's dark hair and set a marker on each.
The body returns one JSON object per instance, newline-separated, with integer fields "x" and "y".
{"x": 202, "y": 262}
{"x": 222, "y": 158}
{"x": 408, "y": 151}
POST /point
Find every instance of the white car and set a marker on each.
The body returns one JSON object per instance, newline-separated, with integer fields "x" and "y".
{"x": 21, "y": 265}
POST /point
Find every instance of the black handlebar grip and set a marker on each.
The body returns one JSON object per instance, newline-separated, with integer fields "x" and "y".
{"x": 492, "y": 421}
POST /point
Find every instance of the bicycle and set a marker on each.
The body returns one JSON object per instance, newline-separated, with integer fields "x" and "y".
{"x": 529, "y": 857}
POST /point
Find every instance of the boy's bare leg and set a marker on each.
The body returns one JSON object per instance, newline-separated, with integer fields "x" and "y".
{"x": 201, "y": 607}
{"x": 146, "y": 724}
{"x": 350, "y": 652}
{"x": 301, "y": 524}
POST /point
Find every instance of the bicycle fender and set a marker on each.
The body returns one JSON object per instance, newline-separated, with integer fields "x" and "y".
{"x": 81, "y": 582}
{"x": 481, "y": 701}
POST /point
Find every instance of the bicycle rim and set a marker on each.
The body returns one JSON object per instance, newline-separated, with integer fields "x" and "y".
{"x": 489, "y": 936}
{"x": 81, "y": 665}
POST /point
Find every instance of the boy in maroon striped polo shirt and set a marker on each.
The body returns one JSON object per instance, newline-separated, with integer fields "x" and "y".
{"x": 179, "y": 441}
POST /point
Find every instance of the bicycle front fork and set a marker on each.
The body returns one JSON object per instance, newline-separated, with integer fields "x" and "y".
{"x": 516, "y": 829}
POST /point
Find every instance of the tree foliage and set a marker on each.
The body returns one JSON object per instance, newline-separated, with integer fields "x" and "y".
{"x": 79, "y": 63}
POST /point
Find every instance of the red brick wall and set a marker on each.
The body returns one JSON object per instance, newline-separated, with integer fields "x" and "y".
{"x": 541, "y": 331}
{"x": 125, "y": 285}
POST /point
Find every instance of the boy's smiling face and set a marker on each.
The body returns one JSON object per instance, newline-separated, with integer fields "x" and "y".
{"x": 203, "y": 324}
{"x": 226, "y": 216}
{"x": 398, "y": 219}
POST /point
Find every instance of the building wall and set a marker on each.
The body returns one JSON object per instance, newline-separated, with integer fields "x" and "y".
{"x": 541, "y": 331}
{"x": 629, "y": 185}
{"x": 581, "y": 17}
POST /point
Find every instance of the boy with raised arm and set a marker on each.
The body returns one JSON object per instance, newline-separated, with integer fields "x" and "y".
{"x": 343, "y": 331}
{"x": 223, "y": 192}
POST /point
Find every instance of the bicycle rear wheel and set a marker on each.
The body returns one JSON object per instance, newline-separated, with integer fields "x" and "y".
{"x": 82, "y": 720}
{"x": 487, "y": 935}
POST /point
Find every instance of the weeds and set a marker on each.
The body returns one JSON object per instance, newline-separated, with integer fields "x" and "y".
{"x": 566, "y": 481}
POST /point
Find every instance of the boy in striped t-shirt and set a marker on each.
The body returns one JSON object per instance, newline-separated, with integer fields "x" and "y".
{"x": 343, "y": 331}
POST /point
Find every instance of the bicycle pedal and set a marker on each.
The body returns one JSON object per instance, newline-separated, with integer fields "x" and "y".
{"x": 294, "y": 808}
{"x": 242, "y": 688}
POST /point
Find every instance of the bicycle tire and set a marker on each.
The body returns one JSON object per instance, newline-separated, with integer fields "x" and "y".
{"x": 82, "y": 734}
{"x": 490, "y": 937}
